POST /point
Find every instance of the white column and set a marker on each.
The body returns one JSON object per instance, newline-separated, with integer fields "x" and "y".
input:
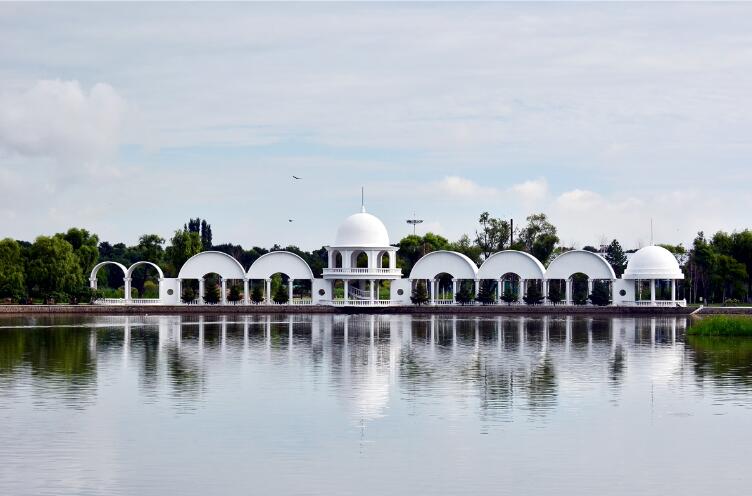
{"x": 652, "y": 291}
{"x": 93, "y": 283}
{"x": 454, "y": 290}
{"x": 290, "y": 282}
{"x": 127, "y": 289}
{"x": 180, "y": 290}
{"x": 589, "y": 287}
{"x": 476, "y": 286}
{"x": 223, "y": 284}
{"x": 201, "y": 291}
{"x": 498, "y": 290}
{"x": 268, "y": 291}
{"x": 544, "y": 287}
{"x": 246, "y": 296}
{"x": 373, "y": 290}
{"x": 568, "y": 292}
{"x": 520, "y": 296}
{"x": 673, "y": 290}
{"x": 347, "y": 288}
{"x": 432, "y": 284}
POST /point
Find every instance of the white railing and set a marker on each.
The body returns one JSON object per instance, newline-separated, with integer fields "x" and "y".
{"x": 360, "y": 270}
{"x": 341, "y": 302}
{"x": 110, "y": 301}
{"x": 133, "y": 301}
{"x": 444, "y": 302}
{"x": 360, "y": 294}
{"x": 302, "y": 301}
{"x": 656, "y": 303}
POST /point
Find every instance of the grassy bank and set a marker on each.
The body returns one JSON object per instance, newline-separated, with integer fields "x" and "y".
{"x": 722, "y": 325}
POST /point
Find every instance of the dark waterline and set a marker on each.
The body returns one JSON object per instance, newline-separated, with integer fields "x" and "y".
{"x": 323, "y": 404}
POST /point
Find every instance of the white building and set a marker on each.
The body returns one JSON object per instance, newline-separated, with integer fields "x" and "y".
{"x": 362, "y": 264}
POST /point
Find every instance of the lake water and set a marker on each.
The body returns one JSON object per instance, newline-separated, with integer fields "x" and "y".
{"x": 321, "y": 404}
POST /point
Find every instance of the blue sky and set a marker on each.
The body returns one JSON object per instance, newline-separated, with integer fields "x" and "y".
{"x": 128, "y": 119}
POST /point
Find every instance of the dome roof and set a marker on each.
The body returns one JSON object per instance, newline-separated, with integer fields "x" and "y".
{"x": 653, "y": 262}
{"x": 362, "y": 229}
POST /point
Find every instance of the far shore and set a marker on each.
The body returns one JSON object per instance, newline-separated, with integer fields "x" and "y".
{"x": 321, "y": 309}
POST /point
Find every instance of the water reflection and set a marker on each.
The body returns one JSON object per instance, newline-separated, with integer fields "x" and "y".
{"x": 505, "y": 363}
{"x": 271, "y": 404}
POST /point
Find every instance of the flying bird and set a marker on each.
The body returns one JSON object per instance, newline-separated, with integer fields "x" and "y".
{"x": 296, "y": 177}
{"x": 290, "y": 220}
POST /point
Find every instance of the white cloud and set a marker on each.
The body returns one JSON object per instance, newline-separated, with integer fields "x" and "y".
{"x": 532, "y": 191}
{"x": 463, "y": 187}
{"x": 60, "y": 120}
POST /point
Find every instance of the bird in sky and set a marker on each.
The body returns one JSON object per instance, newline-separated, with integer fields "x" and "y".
{"x": 296, "y": 177}
{"x": 290, "y": 220}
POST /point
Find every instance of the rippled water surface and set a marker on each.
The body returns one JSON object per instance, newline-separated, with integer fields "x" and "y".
{"x": 371, "y": 405}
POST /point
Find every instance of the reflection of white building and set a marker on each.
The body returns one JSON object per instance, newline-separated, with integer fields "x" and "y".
{"x": 362, "y": 271}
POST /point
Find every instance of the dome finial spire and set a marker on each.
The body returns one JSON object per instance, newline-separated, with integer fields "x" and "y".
{"x": 362, "y": 200}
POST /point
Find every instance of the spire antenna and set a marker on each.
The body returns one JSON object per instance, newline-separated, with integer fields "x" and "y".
{"x": 362, "y": 200}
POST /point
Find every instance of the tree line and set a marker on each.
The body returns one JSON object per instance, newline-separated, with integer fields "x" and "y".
{"x": 57, "y": 267}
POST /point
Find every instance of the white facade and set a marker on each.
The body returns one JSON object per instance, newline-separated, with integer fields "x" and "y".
{"x": 362, "y": 263}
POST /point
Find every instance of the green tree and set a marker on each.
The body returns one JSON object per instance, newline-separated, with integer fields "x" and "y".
{"x": 465, "y": 295}
{"x": 485, "y": 294}
{"x": 53, "y": 267}
{"x": 149, "y": 249}
{"x": 85, "y": 246}
{"x": 533, "y": 296}
{"x": 257, "y": 295}
{"x": 600, "y": 295}
{"x": 211, "y": 292}
{"x": 188, "y": 295}
{"x": 616, "y": 257}
{"x": 419, "y": 295}
{"x": 731, "y": 277}
{"x": 412, "y": 248}
{"x": 183, "y": 245}
{"x": 467, "y": 248}
{"x": 12, "y": 277}
{"x": 494, "y": 235}
{"x": 281, "y": 296}
{"x": 539, "y": 237}
{"x": 509, "y": 296}
{"x": 554, "y": 294}
{"x": 234, "y": 296}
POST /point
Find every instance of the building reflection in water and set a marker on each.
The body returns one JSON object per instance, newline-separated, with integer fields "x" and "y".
{"x": 499, "y": 367}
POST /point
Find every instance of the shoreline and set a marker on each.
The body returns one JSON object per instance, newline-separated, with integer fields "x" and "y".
{"x": 322, "y": 309}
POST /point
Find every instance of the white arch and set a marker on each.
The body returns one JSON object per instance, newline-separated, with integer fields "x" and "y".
{"x": 95, "y": 270}
{"x": 142, "y": 262}
{"x": 286, "y": 262}
{"x": 455, "y": 264}
{"x": 523, "y": 264}
{"x": 571, "y": 262}
{"x": 215, "y": 262}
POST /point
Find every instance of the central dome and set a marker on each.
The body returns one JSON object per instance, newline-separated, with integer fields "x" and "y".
{"x": 653, "y": 262}
{"x": 362, "y": 229}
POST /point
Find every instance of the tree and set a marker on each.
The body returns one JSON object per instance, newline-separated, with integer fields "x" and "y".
{"x": 85, "y": 246}
{"x": 485, "y": 295}
{"x": 467, "y": 248}
{"x": 554, "y": 294}
{"x": 183, "y": 245}
{"x": 257, "y": 295}
{"x": 53, "y": 268}
{"x": 206, "y": 235}
{"x": 412, "y": 248}
{"x": 580, "y": 297}
{"x": 234, "y": 295}
{"x": 188, "y": 295}
{"x": 509, "y": 295}
{"x": 616, "y": 258}
{"x": 211, "y": 293}
{"x": 600, "y": 295}
{"x": 281, "y": 296}
{"x": 494, "y": 235}
{"x": 533, "y": 296}
{"x": 149, "y": 249}
{"x": 419, "y": 295}
{"x": 731, "y": 276}
{"x": 539, "y": 237}
{"x": 465, "y": 295}
{"x": 12, "y": 277}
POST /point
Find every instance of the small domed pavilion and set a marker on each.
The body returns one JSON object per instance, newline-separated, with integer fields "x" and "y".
{"x": 657, "y": 266}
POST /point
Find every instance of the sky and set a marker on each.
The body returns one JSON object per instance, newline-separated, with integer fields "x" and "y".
{"x": 130, "y": 119}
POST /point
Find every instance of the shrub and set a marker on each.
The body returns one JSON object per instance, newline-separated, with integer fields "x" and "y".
{"x": 600, "y": 295}
{"x": 419, "y": 295}
{"x": 281, "y": 296}
{"x": 257, "y": 295}
{"x": 211, "y": 293}
{"x": 485, "y": 295}
{"x": 188, "y": 295}
{"x": 554, "y": 295}
{"x": 533, "y": 296}
{"x": 234, "y": 295}
{"x": 580, "y": 297}
{"x": 509, "y": 296}
{"x": 464, "y": 295}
